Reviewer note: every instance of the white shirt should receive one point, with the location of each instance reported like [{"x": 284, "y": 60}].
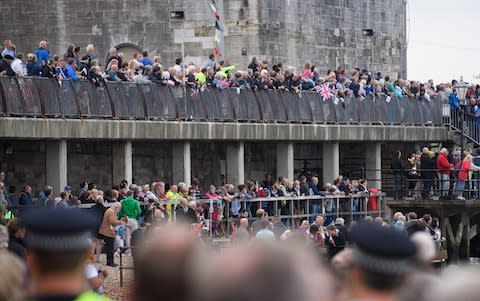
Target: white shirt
[
  {"x": 18, "y": 67},
  {"x": 92, "y": 272}
]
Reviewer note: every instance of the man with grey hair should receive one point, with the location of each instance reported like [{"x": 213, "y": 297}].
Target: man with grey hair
[
  {"x": 42, "y": 53},
  {"x": 184, "y": 213}
]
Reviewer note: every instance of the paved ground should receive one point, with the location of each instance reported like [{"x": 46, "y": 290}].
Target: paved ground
[{"x": 112, "y": 283}]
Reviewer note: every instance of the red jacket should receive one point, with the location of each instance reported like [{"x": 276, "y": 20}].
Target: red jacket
[{"x": 443, "y": 166}]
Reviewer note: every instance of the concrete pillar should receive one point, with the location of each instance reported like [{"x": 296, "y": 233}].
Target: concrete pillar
[
  {"x": 331, "y": 161},
  {"x": 235, "y": 163},
  {"x": 181, "y": 165},
  {"x": 373, "y": 165},
  {"x": 56, "y": 152},
  {"x": 122, "y": 161},
  {"x": 285, "y": 160}
]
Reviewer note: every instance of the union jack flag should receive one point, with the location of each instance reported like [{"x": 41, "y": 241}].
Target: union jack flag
[{"x": 324, "y": 91}]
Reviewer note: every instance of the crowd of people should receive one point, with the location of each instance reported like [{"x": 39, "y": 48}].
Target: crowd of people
[
  {"x": 371, "y": 258},
  {"x": 445, "y": 173},
  {"x": 215, "y": 209},
  {"x": 75, "y": 64}
]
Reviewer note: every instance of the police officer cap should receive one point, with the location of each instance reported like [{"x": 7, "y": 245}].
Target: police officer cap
[
  {"x": 382, "y": 249},
  {"x": 58, "y": 229}
]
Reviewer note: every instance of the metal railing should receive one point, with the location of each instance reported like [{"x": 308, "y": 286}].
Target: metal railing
[
  {"x": 45, "y": 97},
  {"x": 465, "y": 124},
  {"x": 292, "y": 209},
  {"x": 410, "y": 183}
]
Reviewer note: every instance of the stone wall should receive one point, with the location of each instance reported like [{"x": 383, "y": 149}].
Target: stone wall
[
  {"x": 91, "y": 162},
  {"x": 24, "y": 164},
  {"x": 152, "y": 161},
  {"x": 327, "y": 33}
]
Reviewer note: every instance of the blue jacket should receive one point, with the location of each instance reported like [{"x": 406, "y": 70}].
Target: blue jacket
[
  {"x": 43, "y": 55},
  {"x": 146, "y": 61},
  {"x": 454, "y": 100},
  {"x": 71, "y": 73},
  {"x": 314, "y": 188},
  {"x": 25, "y": 199}
]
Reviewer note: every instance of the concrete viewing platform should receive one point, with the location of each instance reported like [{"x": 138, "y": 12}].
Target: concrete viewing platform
[
  {"x": 459, "y": 220},
  {"x": 59, "y": 128}
]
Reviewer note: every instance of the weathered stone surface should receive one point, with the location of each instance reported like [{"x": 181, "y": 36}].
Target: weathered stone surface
[{"x": 326, "y": 33}]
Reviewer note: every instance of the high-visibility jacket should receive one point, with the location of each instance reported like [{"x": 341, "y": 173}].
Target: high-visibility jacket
[{"x": 91, "y": 296}]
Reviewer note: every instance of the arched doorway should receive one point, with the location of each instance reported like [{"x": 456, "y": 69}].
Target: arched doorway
[{"x": 128, "y": 50}]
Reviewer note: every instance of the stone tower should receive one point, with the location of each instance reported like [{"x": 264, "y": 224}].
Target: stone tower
[{"x": 326, "y": 33}]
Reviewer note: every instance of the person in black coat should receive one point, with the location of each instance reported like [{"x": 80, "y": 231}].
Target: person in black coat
[
  {"x": 184, "y": 213},
  {"x": 427, "y": 164},
  {"x": 334, "y": 241},
  {"x": 398, "y": 169}
]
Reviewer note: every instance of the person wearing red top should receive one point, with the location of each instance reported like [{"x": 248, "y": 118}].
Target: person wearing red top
[
  {"x": 443, "y": 168},
  {"x": 463, "y": 175}
]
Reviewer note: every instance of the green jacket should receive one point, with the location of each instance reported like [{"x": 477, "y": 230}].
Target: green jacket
[{"x": 130, "y": 208}]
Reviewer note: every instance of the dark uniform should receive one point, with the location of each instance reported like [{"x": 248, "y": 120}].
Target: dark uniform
[
  {"x": 58, "y": 241},
  {"x": 383, "y": 256}
]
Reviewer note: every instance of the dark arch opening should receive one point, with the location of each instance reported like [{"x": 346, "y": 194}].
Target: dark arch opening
[{"x": 128, "y": 49}]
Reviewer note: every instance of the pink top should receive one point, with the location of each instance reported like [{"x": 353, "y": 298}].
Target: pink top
[
  {"x": 212, "y": 196},
  {"x": 307, "y": 73}
]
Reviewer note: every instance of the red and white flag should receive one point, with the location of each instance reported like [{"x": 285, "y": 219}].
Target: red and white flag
[{"x": 325, "y": 91}]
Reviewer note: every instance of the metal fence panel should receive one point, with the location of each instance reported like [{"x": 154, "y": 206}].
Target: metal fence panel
[
  {"x": 189, "y": 103},
  {"x": 381, "y": 109},
  {"x": 179, "y": 95},
  {"x": 434, "y": 106},
  {"x": 426, "y": 113},
  {"x": 297, "y": 106},
  {"x": 67, "y": 99},
  {"x": 394, "y": 109},
  {"x": 271, "y": 105},
  {"x": 29, "y": 97},
  {"x": 134, "y": 100},
  {"x": 48, "y": 89},
  {"x": 14, "y": 103},
  {"x": 316, "y": 106},
  {"x": 345, "y": 109},
  {"x": 2, "y": 101},
  {"x": 351, "y": 110},
  {"x": 116, "y": 94},
  {"x": 412, "y": 113},
  {"x": 159, "y": 102},
  {"x": 217, "y": 104},
  {"x": 329, "y": 114},
  {"x": 245, "y": 104},
  {"x": 366, "y": 111},
  {"x": 339, "y": 107},
  {"x": 195, "y": 106},
  {"x": 86, "y": 103}
]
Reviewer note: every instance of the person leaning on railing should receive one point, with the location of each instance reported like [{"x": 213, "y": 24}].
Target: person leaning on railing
[{"x": 5, "y": 65}]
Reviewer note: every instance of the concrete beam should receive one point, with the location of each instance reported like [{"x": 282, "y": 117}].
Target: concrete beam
[
  {"x": 235, "y": 163},
  {"x": 122, "y": 161},
  {"x": 181, "y": 163},
  {"x": 373, "y": 165},
  {"x": 285, "y": 162},
  {"x": 39, "y": 128},
  {"x": 331, "y": 161},
  {"x": 56, "y": 153}
]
